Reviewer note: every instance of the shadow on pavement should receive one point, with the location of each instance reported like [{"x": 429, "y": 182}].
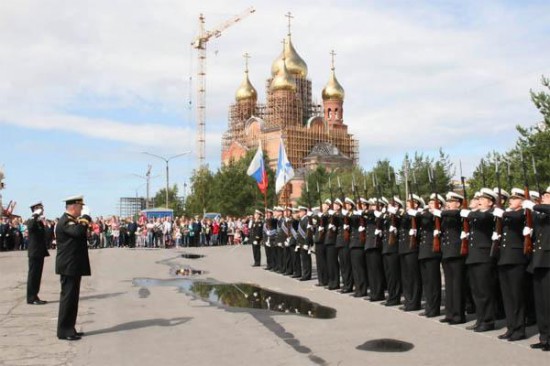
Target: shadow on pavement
[
  {"x": 94, "y": 297},
  {"x": 140, "y": 324}
]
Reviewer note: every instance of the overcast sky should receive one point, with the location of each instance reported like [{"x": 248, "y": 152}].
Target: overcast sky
[{"x": 86, "y": 86}]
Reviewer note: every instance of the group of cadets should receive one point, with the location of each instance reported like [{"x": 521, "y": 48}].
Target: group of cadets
[{"x": 370, "y": 247}]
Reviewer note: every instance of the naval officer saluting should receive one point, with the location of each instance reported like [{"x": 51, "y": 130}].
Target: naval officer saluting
[
  {"x": 38, "y": 249},
  {"x": 72, "y": 263}
]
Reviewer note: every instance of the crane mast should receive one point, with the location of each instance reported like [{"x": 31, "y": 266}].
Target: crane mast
[{"x": 200, "y": 43}]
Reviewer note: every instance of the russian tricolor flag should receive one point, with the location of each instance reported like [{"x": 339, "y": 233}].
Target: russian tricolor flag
[{"x": 257, "y": 169}]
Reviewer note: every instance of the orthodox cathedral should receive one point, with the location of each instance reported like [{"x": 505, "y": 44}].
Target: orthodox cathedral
[{"x": 313, "y": 134}]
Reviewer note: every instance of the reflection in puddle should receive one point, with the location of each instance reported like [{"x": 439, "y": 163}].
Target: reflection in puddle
[
  {"x": 242, "y": 295},
  {"x": 191, "y": 256},
  {"x": 385, "y": 345},
  {"x": 188, "y": 271}
]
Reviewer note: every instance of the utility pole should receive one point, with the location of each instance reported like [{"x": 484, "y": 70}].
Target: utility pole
[{"x": 166, "y": 160}]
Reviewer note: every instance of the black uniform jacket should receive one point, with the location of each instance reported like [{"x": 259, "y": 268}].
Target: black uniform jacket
[
  {"x": 511, "y": 242},
  {"x": 372, "y": 241},
  {"x": 339, "y": 222},
  {"x": 354, "y": 237},
  {"x": 426, "y": 226},
  {"x": 481, "y": 231},
  {"x": 256, "y": 232},
  {"x": 451, "y": 227},
  {"x": 38, "y": 243},
  {"x": 541, "y": 237},
  {"x": 72, "y": 247},
  {"x": 330, "y": 233},
  {"x": 388, "y": 248},
  {"x": 403, "y": 237}
]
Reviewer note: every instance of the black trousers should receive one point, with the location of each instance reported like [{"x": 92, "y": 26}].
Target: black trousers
[
  {"x": 512, "y": 283},
  {"x": 411, "y": 280},
  {"x": 296, "y": 261},
  {"x": 278, "y": 249},
  {"x": 431, "y": 283},
  {"x": 132, "y": 240},
  {"x": 393, "y": 277},
  {"x": 269, "y": 256},
  {"x": 375, "y": 271},
  {"x": 454, "y": 270},
  {"x": 333, "y": 268},
  {"x": 541, "y": 287},
  {"x": 257, "y": 254},
  {"x": 359, "y": 271},
  {"x": 321, "y": 262},
  {"x": 36, "y": 264},
  {"x": 345, "y": 268},
  {"x": 483, "y": 284},
  {"x": 287, "y": 259},
  {"x": 305, "y": 259},
  {"x": 68, "y": 305}
]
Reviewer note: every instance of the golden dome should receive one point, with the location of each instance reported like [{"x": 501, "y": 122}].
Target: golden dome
[
  {"x": 246, "y": 90},
  {"x": 333, "y": 90},
  {"x": 283, "y": 80},
  {"x": 294, "y": 63}
]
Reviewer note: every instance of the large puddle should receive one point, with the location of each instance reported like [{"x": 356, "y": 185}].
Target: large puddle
[{"x": 241, "y": 295}]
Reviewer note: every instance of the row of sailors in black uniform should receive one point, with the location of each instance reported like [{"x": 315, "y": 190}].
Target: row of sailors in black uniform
[{"x": 351, "y": 241}]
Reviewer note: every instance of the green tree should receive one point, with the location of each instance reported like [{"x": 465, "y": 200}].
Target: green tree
[
  {"x": 532, "y": 151},
  {"x": 174, "y": 202},
  {"x": 200, "y": 198}
]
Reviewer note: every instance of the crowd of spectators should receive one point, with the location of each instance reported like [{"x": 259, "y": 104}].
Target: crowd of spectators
[{"x": 139, "y": 232}]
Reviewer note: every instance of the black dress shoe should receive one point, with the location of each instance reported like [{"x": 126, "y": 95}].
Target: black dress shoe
[
  {"x": 546, "y": 348},
  {"x": 373, "y": 299},
  {"x": 516, "y": 337},
  {"x": 539, "y": 345},
  {"x": 305, "y": 279},
  {"x": 444, "y": 320},
  {"x": 296, "y": 276},
  {"x": 484, "y": 328},
  {"x": 455, "y": 322},
  {"x": 334, "y": 288},
  {"x": 359, "y": 295},
  {"x": 422, "y": 313},
  {"x": 433, "y": 315},
  {"x": 391, "y": 303},
  {"x": 472, "y": 327},
  {"x": 255, "y": 265},
  {"x": 345, "y": 291},
  {"x": 37, "y": 302},
  {"x": 505, "y": 335},
  {"x": 70, "y": 338},
  {"x": 319, "y": 285}
]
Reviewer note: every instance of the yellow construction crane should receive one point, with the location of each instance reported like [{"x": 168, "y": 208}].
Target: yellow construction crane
[{"x": 200, "y": 44}]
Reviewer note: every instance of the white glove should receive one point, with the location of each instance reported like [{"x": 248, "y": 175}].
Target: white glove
[
  {"x": 527, "y": 231},
  {"x": 495, "y": 236},
  {"x": 437, "y": 232},
  {"x": 411, "y": 212},
  {"x": 361, "y": 229},
  {"x": 412, "y": 232},
  {"x": 378, "y": 232},
  {"x": 344, "y": 212},
  {"x": 314, "y": 221},
  {"x": 287, "y": 242},
  {"x": 377, "y": 214},
  {"x": 331, "y": 227},
  {"x": 255, "y": 242},
  {"x": 392, "y": 229},
  {"x": 331, "y": 212},
  {"x": 463, "y": 235},
  {"x": 498, "y": 213},
  {"x": 437, "y": 212},
  {"x": 464, "y": 213},
  {"x": 321, "y": 228},
  {"x": 37, "y": 212},
  {"x": 358, "y": 212},
  {"x": 309, "y": 226},
  {"x": 392, "y": 210},
  {"x": 297, "y": 248},
  {"x": 346, "y": 227},
  {"x": 528, "y": 205}
]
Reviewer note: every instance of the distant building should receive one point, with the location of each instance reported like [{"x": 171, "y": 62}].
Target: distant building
[
  {"x": 130, "y": 206},
  {"x": 313, "y": 134}
]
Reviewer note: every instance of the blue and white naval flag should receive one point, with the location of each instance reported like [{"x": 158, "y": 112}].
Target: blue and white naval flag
[
  {"x": 257, "y": 169},
  {"x": 285, "y": 172}
]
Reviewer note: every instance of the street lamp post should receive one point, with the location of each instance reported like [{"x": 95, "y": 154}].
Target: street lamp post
[{"x": 166, "y": 160}]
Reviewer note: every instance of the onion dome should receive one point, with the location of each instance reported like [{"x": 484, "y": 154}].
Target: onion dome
[
  {"x": 246, "y": 91},
  {"x": 294, "y": 63},
  {"x": 333, "y": 90},
  {"x": 283, "y": 80}
]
